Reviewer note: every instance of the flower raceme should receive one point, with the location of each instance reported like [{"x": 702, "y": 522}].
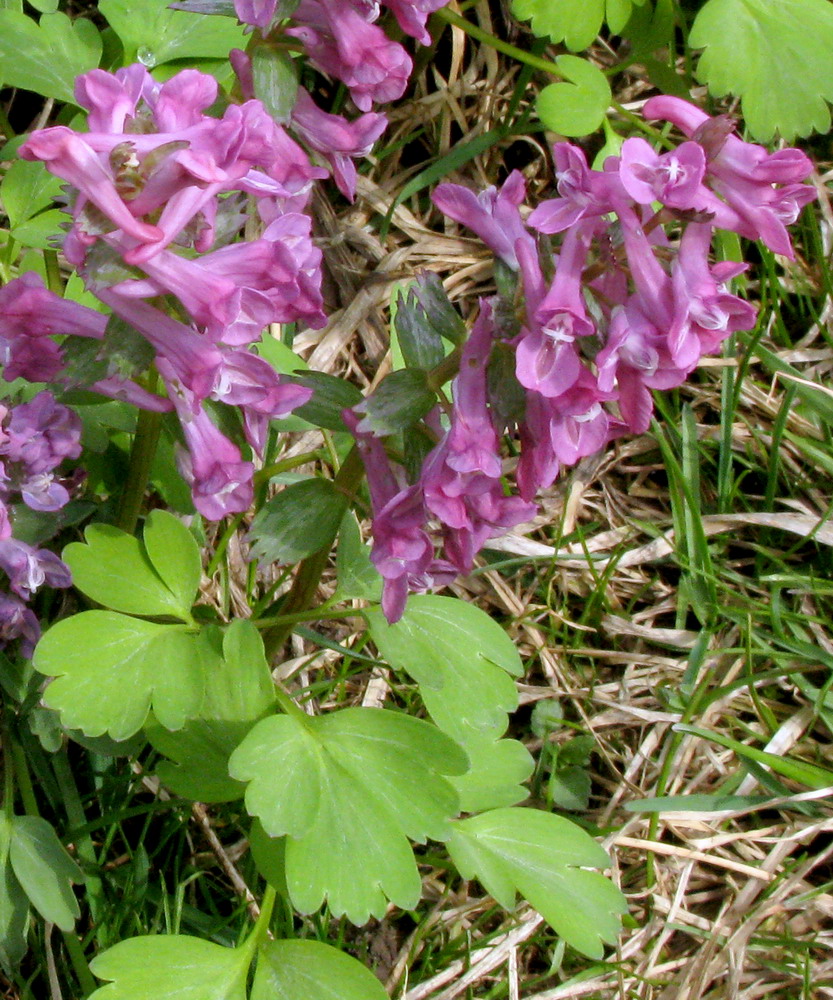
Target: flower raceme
[{"x": 633, "y": 305}]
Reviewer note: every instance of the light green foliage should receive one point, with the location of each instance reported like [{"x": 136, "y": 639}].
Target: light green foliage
[
  {"x": 349, "y": 789},
  {"x": 44, "y": 870},
  {"x": 14, "y": 906},
  {"x": 171, "y": 967},
  {"x": 574, "y": 22},
  {"x": 463, "y": 660},
  {"x": 46, "y": 56},
  {"x": 578, "y": 106},
  {"x": 110, "y": 669},
  {"x": 545, "y": 858},
  {"x": 310, "y": 970},
  {"x": 357, "y": 576},
  {"x": 238, "y": 691},
  {"x": 26, "y": 189},
  {"x": 159, "y": 578},
  {"x": 153, "y": 34},
  {"x": 775, "y": 56}
]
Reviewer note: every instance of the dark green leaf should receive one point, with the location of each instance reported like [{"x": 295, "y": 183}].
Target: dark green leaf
[
  {"x": 331, "y": 395},
  {"x": 14, "y": 905},
  {"x": 398, "y": 402},
  {"x": 300, "y": 520}
]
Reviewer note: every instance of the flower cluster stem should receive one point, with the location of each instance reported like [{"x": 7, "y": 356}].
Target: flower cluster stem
[{"x": 148, "y": 427}]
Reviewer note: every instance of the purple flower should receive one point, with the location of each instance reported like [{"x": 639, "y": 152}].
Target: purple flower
[
  {"x": 344, "y": 44},
  {"x": 546, "y": 356},
  {"x": 339, "y": 140},
  {"x": 673, "y": 178},
  {"x": 413, "y": 14},
  {"x": 220, "y": 481},
  {"x": 493, "y": 214},
  {"x": 258, "y": 13},
  {"x": 744, "y": 174},
  {"x": 583, "y": 192},
  {"x": 28, "y": 568},
  {"x": 18, "y": 622}
]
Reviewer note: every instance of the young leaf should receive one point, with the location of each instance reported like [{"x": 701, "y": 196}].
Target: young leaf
[
  {"x": 398, "y": 402},
  {"x": 300, "y": 520},
  {"x": 348, "y": 789},
  {"x": 578, "y": 107},
  {"x": 238, "y": 691},
  {"x": 419, "y": 321},
  {"x": 545, "y": 858},
  {"x": 154, "y": 34},
  {"x": 113, "y": 569},
  {"x": 775, "y": 56},
  {"x": 175, "y": 556},
  {"x": 110, "y": 669},
  {"x": 46, "y": 56},
  {"x": 171, "y": 967},
  {"x": 291, "y": 970},
  {"x": 45, "y": 870}
]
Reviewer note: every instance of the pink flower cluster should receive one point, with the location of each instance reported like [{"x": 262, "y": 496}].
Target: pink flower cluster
[
  {"x": 633, "y": 305},
  {"x": 35, "y": 438},
  {"x": 159, "y": 188}
]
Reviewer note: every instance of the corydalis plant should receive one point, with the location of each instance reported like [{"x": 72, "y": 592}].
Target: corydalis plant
[{"x": 634, "y": 303}]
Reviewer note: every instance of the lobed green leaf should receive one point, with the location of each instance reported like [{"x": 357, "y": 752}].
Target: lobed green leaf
[
  {"x": 44, "y": 870},
  {"x": 291, "y": 970}
]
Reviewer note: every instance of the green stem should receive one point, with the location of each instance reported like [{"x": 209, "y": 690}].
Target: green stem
[
  {"x": 261, "y": 928},
  {"x": 79, "y": 963},
  {"x": 24, "y": 779},
  {"x": 54, "y": 282},
  {"x": 496, "y": 43},
  {"x": 315, "y": 615},
  {"x": 148, "y": 427},
  {"x": 309, "y": 573},
  {"x": 77, "y": 820}
]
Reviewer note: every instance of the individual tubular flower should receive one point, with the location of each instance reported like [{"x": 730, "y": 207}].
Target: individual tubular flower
[
  {"x": 412, "y": 16},
  {"x": 674, "y": 178},
  {"x": 402, "y": 552},
  {"x": 582, "y": 192},
  {"x": 344, "y": 44},
  {"x": 340, "y": 141},
  {"x": 493, "y": 214},
  {"x": 744, "y": 174}
]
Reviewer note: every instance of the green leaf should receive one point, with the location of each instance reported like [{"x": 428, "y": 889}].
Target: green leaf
[
  {"x": 399, "y": 401},
  {"x": 14, "y": 905},
  {"x": 576, "y": 108},
  {"x": 348, "y": 789},
  {"x": 461, "y": 659},
  {"x": 424, "y": 316},
  {"x": 45, "y": 870},
  {"x": 27, "y": 187},
  {"x": 311, "y": 970},
  {"x": 331, "y": 395},
  {"x": 113, "y": 569},
  {"x": 153, "y": 34},
  {"x": 238, "y": 691},
  {"x": 41, "y": 231},
  {"x": 171, "y": 967},
  {"x": 300, "y": 520},
  {"x": 357, "y": 576},
  {"x": 458, "y": 655},
  {"x": 47, "y": 56},
  {"x": 175, "y": 556},
  {"x": 275, "y": 81},
  {"x": 110, "y": 669},
  {"x": 775, "y": 56},
  {"x": 545, "y": 858},
  {"x": 574, "y": 22}
]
